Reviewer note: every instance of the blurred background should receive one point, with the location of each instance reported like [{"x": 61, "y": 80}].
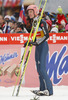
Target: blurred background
[
  {"x": 10, "y": 7},
  {"x": 14, "y": 6}
]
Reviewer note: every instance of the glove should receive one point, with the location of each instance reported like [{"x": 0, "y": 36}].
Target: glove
[
  {"x": 26, "y": 44},
  {"x": 32, "y": 43}
]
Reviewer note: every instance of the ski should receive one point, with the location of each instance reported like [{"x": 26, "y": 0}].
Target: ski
[{"x": 30, "y": 48}]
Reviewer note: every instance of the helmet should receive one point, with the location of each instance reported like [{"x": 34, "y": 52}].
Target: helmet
[{"x": 33, "y": 7}]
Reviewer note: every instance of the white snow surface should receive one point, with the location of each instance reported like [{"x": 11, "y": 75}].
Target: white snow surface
[{"x": 60, "y": 93}]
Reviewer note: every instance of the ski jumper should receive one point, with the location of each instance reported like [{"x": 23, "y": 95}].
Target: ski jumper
[
  {"x": 41, "y": 50},
  {"x": 41, "y": 53}
]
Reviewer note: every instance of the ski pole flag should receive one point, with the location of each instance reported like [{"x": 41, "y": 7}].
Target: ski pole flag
[{"x": 22, "y": 17}]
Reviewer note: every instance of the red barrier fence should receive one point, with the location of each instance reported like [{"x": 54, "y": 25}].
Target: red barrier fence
[{"x": 55, "y": 38}]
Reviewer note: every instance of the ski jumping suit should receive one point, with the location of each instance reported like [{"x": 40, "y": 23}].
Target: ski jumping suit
[{"x": 41, "y": 53}]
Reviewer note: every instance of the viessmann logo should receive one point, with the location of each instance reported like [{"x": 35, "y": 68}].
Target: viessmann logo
[
  {"x": 54, "y": 38},
  {"x": 15, "y": 38},
  {"x": 20, "y": 38}
]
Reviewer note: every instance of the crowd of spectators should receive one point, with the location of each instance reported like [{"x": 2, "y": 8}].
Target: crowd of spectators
[
  {"x": 9, "y": 24},
  {"x": 56, "y": 23}
]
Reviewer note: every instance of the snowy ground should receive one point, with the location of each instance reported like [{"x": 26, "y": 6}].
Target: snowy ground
[{"x": 60, "y": 93}]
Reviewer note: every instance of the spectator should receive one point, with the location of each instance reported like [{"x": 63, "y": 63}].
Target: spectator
[
  {"x": 16, "y": 15},
  {"x": 52, "y": 18},
  {"x": 7, "y": 18},
  {"x": 60, "y": 15},
  {"x": 20, "y": 28},
  {"x": 49, "y": 23},
  {"x": 1, "y": 23},
  {"x": 66, "y": 28},
  {"x": 59, "y": 10},
  {"x": 54, "y": 30},
  {"x": 6, "y": 28},
  {"x": 12, "y": 24},
  {"x": 61, "y": 26}
]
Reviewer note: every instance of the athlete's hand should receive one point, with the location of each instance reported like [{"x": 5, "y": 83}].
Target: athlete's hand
[{"x": 25, "y": 44}]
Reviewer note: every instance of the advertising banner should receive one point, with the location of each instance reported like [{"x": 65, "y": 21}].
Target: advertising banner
[{"x": 11, "y": 52}]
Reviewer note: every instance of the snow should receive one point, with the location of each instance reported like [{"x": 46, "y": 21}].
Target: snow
[{"x": 60, "y": 93}]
